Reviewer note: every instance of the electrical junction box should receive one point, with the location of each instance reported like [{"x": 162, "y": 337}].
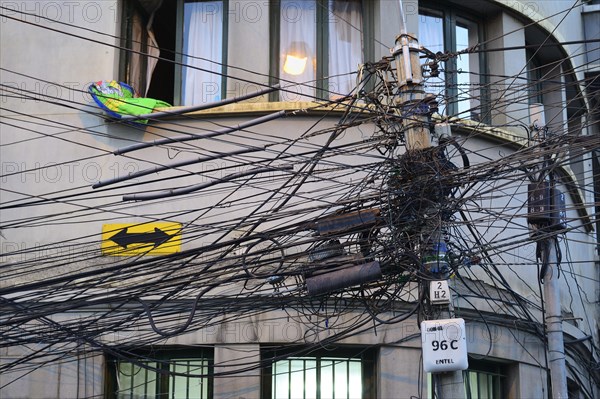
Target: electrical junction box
[
  {"x": 439, "y": 293},
  {"x": 546, "y": 206},
  {"x": 444, "y": 344}
]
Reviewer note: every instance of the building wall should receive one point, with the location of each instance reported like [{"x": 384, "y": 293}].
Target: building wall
[{"x": 41, "y": 62}]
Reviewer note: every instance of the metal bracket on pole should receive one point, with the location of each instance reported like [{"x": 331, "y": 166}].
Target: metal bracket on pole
[{"x": 412, "y": 94}]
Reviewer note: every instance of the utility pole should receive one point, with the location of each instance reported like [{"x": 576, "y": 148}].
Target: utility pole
[
  {"x": 417, "y": 138},
  {"x": 554, "y": 329},
  {"x": 545, "y": 214}
]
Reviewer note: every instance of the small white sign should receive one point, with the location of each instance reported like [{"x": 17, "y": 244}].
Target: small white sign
[
  {"x": 439, "y": 293},
  {"x": 444, "y": 345}
]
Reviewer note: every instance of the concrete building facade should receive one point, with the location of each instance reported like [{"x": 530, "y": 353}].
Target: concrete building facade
[{"x": 223, "y": 307}]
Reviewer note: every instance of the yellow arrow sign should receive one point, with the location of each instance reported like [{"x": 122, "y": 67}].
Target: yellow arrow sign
[{"x": 128, "y": 239}]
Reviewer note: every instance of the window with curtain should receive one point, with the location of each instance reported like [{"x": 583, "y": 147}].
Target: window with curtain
[
  {"x": 345, "y": 46},
  {"x": 185, "y": 41},
  {"x": 342, "y": 373},
  {"x": 175, "y": 374},
  {"x": 431, "y": 36},
  {"x": 320, "y": 47},
  {"x": 202, "y": 54},
  {"x": 316, "y": 47},
  {"x": 459, "y": 82}
]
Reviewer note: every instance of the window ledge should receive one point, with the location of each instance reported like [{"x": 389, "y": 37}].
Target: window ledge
[
  {"x": 505, "y": 136},
  {"x": 250, "y": 108},
  {"x": 590, "y": 8}
]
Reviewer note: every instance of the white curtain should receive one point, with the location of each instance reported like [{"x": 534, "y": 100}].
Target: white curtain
[
  {"x": 431, "y": 36},
  {"x": 345, "y": 45},
  {"x": 202, "y": 48},
  {"x": 466, "y": 90},
  {"x": 298, "y": 38}
]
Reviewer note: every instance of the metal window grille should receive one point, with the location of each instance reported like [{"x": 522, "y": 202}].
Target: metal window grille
[
  {"x": 171, "y": 378},
  {"x": 483, "y": 380},
  {"x": 317, "y": 377},
  {"x": 484, "y": 384}
]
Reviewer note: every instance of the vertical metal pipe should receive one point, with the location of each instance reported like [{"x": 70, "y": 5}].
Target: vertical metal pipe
[{"x": 554, "y": 329}]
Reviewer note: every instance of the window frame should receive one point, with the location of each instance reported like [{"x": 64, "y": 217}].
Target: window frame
[
  {"x": 178, "y": 89},
  {"x": 496, "y": 370},
  {"x": 322, "y": 44},
  {"x": 367, "y": 357},
  {"x": 163, "y": 356},
  {"x": 130, "y": 9},
  {"x": 452, "y": 17},
  {"x": 499, "y": 370},
  {"x": 174, "y": 49},
  {"x": 534, "y": 77}
]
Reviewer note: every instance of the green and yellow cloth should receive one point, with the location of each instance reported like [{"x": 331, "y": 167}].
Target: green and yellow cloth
[{"x": 118, "y": 99}]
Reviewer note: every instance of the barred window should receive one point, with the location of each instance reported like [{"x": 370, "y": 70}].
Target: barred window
[
  {"x": 172, "y": 374},
  {"x": 482, "y": 380},
  {"x": 341, "y": 373},
  {"x": 485, "y": 381}
]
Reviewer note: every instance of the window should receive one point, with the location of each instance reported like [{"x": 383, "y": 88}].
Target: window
[
  {"x": 534, "y": 78},
  {"x": 315, "y": 43},
  {"x": 189, "y": 39},
  {"x": 483, "y": 380},
  {"x": 173, "y": 374},
  {"x": 459, "y": 81},
  {"x": 341, "y": 373},
  {"x": 318, "y": 44},
  {"x": 202, "y": 56}
]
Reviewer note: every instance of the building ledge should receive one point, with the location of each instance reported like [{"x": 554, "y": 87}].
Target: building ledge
[{"x": 253, "y": 108}]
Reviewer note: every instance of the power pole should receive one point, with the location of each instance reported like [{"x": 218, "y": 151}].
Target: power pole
[
  {"x": 417, "y": 138},
  {"x": 545, "y": 214},
  {"x": 554, "y": 329}
]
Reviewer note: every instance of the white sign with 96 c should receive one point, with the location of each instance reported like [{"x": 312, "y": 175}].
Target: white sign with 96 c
[{"x": 444, "y": 344}]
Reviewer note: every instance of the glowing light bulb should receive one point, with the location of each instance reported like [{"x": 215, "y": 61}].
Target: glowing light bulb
[{"x": 294, "y": 65}]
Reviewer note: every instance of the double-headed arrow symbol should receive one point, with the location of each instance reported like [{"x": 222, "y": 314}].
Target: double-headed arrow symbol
[{"x": 157, "y": 237}]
